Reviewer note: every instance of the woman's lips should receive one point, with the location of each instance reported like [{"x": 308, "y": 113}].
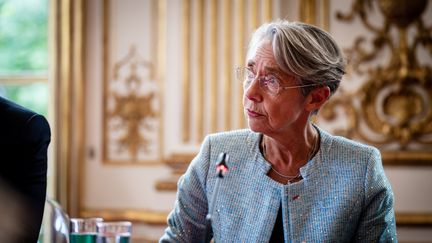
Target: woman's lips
[{"x": 252, "y": 113}]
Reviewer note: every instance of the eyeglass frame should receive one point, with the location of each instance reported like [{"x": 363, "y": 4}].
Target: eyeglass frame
[{"x": 261, "y": 79}]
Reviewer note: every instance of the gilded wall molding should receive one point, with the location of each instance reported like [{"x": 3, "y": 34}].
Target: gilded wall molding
[
  {"x": 132, "y": 102},
  {"x": 178, "y": 163},
  {"x": 315, "y": 12},
  {"x": 67, "y": 77},
  {"x": 133, "y": 98},
  {"x": 392, "y": 107},
  {"x": 186, "y": 88},
  {"x": 227, "y": 64},
  {"x": 211, "y": 94},
  {"x": 414, "y": 219},
  {"x": 210, "y": 56}
]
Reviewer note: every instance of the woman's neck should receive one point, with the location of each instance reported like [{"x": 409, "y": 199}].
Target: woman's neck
[{"x": 291, "y": 151}]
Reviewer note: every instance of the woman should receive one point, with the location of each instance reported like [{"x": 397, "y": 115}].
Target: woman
[{"x": 288, "y": 180}]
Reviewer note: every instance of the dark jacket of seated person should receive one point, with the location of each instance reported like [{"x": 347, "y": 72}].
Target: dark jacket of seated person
[{"x": 24, "y": 139}]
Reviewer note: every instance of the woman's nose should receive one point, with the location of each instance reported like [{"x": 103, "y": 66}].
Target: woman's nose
[{"x": 253, "y": 92}]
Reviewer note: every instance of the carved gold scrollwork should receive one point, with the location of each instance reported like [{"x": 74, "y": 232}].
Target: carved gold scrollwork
[
  {"x": 394, "y": 102},
  {"x": 131, "y": 109}
]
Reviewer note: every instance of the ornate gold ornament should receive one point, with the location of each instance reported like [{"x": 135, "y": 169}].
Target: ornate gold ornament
[
  {"x": 131, "y": 111},
  {"x": 392, "y": 108}
]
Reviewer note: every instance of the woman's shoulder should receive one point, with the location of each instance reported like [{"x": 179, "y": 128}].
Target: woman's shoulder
[
  {"x": 347, "y": 156},
  {"x": 233, "y": 135},
  {"x": 234, "y": 142},
  {"x": 340, "y": 144}
]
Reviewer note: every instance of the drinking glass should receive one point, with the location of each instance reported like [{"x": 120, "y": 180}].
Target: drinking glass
[
  {"x": 114, "y": 232},
  {"x": 83, "y": 230}
]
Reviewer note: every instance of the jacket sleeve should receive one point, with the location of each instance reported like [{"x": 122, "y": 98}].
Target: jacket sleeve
[
  {"x": 34, "y": 183},
  {"x": 377, "y": 223},
  {"x": 186, "y": 222}
]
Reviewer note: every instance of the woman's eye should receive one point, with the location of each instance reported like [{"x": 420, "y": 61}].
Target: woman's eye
[
  {"x": 270, "y": 80},
  {"x": 250, "y": 74}
]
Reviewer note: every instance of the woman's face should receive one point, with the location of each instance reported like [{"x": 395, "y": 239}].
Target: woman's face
[{"x": 271, "y": 113}]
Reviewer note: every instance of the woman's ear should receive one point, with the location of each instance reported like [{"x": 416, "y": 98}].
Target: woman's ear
[{"x": 317, "y": 97}]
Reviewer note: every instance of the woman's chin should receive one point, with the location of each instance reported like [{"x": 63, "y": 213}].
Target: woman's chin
[{"x": 255, "y": 127}]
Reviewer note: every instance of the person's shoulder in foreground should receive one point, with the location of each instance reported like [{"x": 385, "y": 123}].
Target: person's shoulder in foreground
[{"x": 24, "y": 140}]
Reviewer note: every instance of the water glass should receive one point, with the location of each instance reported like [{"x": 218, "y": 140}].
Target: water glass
[
  {"x": 83, "y": 230},
  {"x": 114, "y": 232}
]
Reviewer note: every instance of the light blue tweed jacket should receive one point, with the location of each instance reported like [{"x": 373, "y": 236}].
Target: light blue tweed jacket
[{"x": 344, "y": 195}]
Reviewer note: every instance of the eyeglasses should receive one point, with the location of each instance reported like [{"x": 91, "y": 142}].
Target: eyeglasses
[{"x": 269, "y": 83}]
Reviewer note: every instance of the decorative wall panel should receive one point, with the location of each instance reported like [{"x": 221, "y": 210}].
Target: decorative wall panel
[
  {"x": 395, "y": 105},
  {"x": 132, "y": 96},
  {"x": 213, "y": 47},
  {"x": 385, "y": 97}
]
